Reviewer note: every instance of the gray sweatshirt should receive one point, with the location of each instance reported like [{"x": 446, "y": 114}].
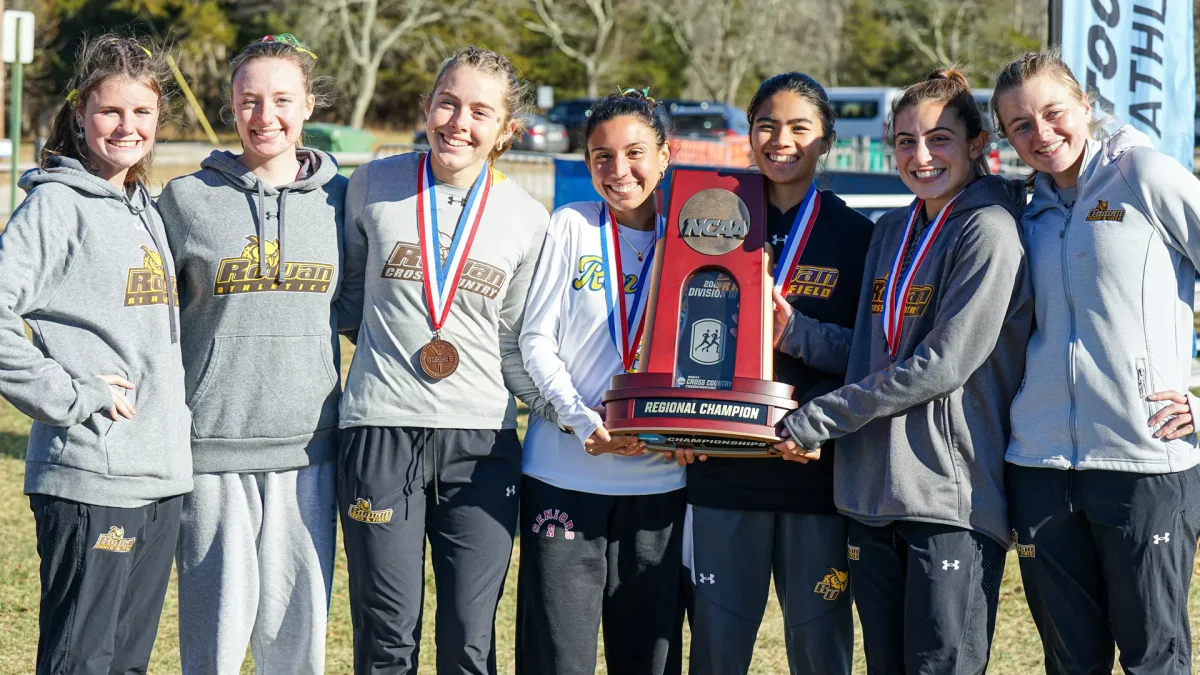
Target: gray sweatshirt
[
  {"x": 1114, "y": 276},
  {"x": 927, "y": 432},
  {"x": 258, "y": 277},
  {"x": 86, "y": 266},
  {"x": 386, "y": 386}
]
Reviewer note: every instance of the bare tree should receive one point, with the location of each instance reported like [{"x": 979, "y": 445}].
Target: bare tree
[
  {"x": 371, "y": 29},
  {"x": 723, "y": 40},
  {"x": 585, "y": 31}
]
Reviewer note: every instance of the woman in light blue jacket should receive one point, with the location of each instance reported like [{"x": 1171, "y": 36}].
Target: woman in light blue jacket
[{"x": 1102, "y": 480}]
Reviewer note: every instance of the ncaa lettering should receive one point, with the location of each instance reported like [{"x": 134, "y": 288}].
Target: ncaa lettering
[
  {"x": 914, "y": 305},
  {"x": 243, "y": 275},
  {"x": 591, "y": 276}
]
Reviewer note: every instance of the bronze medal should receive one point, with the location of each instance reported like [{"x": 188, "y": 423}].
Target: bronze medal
[{"x": 439, "y": 358}]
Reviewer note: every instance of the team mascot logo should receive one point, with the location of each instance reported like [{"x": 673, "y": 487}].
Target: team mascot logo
[
  {"x": 832, "y": 585},
  {"x": 1102, "y": 212},
  {"x": 243, "y": 273},
  {"x": 147, "y": 285},
  {"x": 114, "y": 540},
  {"x": 361, "y": 511}
]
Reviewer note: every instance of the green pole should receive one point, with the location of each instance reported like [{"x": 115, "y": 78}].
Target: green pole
[{"x": 15, "y": 117}]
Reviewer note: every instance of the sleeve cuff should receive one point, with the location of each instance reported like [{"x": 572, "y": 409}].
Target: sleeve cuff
[
  {"x": 801, "y": 431},
  {"x": 92, "y": 396}
]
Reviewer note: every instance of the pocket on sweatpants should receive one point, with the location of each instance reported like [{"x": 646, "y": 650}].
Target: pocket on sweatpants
[{"x": 268, "y": 386}]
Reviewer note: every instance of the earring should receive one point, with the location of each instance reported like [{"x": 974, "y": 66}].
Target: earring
[{"x": 79, "y": 134}]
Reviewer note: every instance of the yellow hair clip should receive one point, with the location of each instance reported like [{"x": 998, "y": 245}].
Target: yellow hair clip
[
  {"x": 302, "y": 50},
  {"x": 71, "y": 95}
]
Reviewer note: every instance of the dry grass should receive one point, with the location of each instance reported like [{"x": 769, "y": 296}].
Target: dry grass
[{"x": 1016, "y": 649}]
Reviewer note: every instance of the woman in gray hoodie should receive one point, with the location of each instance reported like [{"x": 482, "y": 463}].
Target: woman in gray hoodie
[
  {"x": 935, "y": 359},
  {"x": 1102, "y": 477},
  {"x": 85, "y": 265},
  {"x": 257, "y": 238}
]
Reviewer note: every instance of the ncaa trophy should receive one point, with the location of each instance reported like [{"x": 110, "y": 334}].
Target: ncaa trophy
[{"x": 705, "y": 380}]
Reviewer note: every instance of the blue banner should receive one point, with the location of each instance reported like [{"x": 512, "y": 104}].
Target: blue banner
[{"x": 1137, "y": 54}]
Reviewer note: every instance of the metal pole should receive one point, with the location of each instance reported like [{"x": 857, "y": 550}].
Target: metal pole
[
  {"x": 15, "y": 119},
  {"x": 1055, "y": 16}
]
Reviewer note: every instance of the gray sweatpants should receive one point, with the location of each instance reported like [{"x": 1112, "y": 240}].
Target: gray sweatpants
[
  {"x": 255, "y": 565},
  {"x": 732, "y": 555}
]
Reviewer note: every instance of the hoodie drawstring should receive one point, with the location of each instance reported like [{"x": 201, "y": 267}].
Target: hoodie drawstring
[
  {"x": 261, "y": 226},
  {"x": 168, "y": 272},
  {"x": 282, "y": 201}
]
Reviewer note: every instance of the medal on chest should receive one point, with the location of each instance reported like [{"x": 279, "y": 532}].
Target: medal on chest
[
  {"x": 626, "y": 318},
  {"x": 896, "y": 289},
  {"x": 439, "y": 358},
  {"x": 793, "y": 248}
]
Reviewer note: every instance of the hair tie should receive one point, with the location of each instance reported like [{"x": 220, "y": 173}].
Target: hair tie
[
  {"x": 146, "y": 50},
  {"x": 644, "y": 93},
  {"x": 72, "y": 95},
  {"x": 290, "y": 40}
]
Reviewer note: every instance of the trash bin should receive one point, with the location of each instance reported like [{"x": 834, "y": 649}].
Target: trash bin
[{"x": 337, "y": 138}]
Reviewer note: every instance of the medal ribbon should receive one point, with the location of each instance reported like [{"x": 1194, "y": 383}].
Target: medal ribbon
[
  {"x": 802, "y": 227},
  {"x": 625, "y": 325},
  {"x": 895, "y": 292},
  {"x": 441, "y": 279}
]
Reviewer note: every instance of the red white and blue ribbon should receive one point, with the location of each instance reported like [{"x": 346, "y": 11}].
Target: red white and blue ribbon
[
  {"x": 441, "y": 278},
  {"x": 797, "y": 238},
  {"x": 626, "y": 319},
  {"x": 895, "y": 290}
]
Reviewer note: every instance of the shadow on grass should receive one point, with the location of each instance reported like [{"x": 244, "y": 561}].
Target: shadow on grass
[{"x": 13, "y": 445}]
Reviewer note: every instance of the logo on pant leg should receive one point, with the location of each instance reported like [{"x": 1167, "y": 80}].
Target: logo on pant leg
[
  {"x": 832, "y": 585},
  {"x": 852, "y": 552},
  {"x": 361, "y": 511},
  {"x": 114, "y": 540},
  {"x": 1164, "y": 539},
  {"x": 707, "y": 578},
  {"x": 510, "y": 491},
  {"x": 947, "y": 565},
  {"x": 550, "y": 520},
  {"x": 1023, "y": 550}
]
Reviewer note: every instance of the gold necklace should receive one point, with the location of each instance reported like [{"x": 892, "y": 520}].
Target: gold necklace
[{"x": 641, "y": 253}]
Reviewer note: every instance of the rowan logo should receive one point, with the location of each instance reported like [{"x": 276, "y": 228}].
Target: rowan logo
[
  {"x": 853, "y": 552},
  {"x": 550, "y": 520},
  {"x": 1102, "y": 212},
  {"x": 832, "y": 585},
  {"x": 114, "y": 540},
  {"x": 147, "y": 285},
  {"x": 243, "y": 274},
  {"x": 812, "y": 282},
  {"x": 591, "y": 276},
  {"x": 1023, "y": 550},
  {"x": 915, "y": 305},
  {"x": 361, "y": 511},
  {"x": 404, "y": 264}
]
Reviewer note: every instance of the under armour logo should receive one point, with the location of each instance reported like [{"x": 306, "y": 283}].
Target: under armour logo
[
  {"x": 778, "y": 239},
  {"x": 510, "y": 490},
  {"x": 1165, "y": 539},
  {"x": 461, "y": 201},
  {"x": 708, "y": 578},
  {"x": 947, "y": 565}
]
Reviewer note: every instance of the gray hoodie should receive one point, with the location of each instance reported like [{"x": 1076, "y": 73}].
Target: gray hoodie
[
  {"x": 1114, "y": 279},
  {"x": 930, "y": 428},
  {"x": 86, "y": 266},
  {"x": 259, "y": 272}
]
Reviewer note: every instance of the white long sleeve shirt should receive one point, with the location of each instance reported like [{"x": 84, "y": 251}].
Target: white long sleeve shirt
[{"x": 570, "y": 355}]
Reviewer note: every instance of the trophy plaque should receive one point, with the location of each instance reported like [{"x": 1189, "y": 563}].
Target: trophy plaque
[{"x": 705, "y": 380}]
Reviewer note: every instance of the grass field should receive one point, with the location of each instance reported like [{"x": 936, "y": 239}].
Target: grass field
[{"x": 1016, "y": 650}]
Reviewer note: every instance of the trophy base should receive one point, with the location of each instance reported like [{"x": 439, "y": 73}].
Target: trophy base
[{"x": 735, "y": 422}]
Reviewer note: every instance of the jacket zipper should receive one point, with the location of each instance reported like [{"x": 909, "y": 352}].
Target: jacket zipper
[{"x": 1071, "y": 344}]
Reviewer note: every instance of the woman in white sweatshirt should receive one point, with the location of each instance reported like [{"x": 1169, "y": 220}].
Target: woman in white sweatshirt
[{"x": 601, "y": 523}]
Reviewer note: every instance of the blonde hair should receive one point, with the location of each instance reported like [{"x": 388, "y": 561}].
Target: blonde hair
[{"x": 497, "y": 65}]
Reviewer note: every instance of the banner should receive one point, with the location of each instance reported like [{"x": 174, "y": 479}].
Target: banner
[{"x": 1137, "y": 54}]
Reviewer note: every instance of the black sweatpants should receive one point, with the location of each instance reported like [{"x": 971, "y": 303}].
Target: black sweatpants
[
  {"x": 459, "y": 488},
  {"x": 1106, "y": 557},
  {"x": 589, "y": 558},
  {"x": 104, "y": 575},
  {"x": 732, "y": 557},
  {"x": 926, "y": 595}
]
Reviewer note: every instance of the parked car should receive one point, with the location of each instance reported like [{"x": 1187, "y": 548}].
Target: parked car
[
  {"x": 706, "y": 121},
  {"x": 541, "y": 135},
  {"x": 572, "y": 115},
  {"x": 861, "y": 111}
]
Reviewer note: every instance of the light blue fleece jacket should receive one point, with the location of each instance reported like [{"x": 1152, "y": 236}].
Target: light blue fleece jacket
[{"x": 1113, "y": 281}]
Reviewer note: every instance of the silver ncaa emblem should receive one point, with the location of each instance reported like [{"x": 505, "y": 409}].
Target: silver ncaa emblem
[{"x": 708, "y": 341}]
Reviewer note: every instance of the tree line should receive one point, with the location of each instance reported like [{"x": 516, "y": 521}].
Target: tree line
[{"x": 378, "y": 56}]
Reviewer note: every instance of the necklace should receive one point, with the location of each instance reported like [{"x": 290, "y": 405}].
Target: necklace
[{"x": 641, "y": 253}]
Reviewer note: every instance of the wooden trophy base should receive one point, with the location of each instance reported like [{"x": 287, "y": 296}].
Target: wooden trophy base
[{"x": 735, "y": 422}]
